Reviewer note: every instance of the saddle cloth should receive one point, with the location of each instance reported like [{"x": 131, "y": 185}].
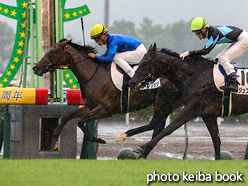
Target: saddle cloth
[
  {"x": 219, "y": 78},
  {"x": 117, "y": 78}
]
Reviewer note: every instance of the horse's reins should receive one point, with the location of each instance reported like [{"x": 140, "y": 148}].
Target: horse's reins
[
  {"x": 144, "y": 73},
  {"x": 51, "y": 67}
]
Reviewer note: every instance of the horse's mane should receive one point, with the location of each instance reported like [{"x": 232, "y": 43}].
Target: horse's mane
[
  {"x": 81, "y": 49},
  {"x": 170, "y": 52},
  {"x": 84, "y": 50},
  {"x": 196, "y": 59}
]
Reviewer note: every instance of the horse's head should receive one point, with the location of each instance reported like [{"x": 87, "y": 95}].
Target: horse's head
[
  {"x": 54, "y": 58},
  {"x": 146, "y": 69}
]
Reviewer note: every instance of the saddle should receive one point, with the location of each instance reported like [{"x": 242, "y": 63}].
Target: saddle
[
  {"x": 125, "y": 93},
  {"x": 120, "y": 80}
]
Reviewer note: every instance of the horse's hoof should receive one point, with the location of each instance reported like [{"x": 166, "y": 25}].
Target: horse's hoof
[
  {"x": 140, "y": 158},
  {"x": 101, "y": 140},
  {"x": 121, "y": 137},
  {"x": 55, "y": 147},
  {"x": 54, "y": 144},
  {"x": 138, "y": 150}
]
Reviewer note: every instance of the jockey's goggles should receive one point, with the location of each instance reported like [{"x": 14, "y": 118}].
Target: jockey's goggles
[
  {"x": 97, "y": 38},
  {"x": 197, "y": 32}
]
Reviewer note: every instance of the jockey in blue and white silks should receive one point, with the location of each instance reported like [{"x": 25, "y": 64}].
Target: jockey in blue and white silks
[
  {"x": 121, "y": 49},
  {"x": 216, "y": 35}
]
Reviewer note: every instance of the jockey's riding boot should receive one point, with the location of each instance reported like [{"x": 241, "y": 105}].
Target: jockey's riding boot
[{"x": 232, "y": 83}]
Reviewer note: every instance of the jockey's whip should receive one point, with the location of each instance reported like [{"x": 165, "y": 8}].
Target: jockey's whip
[{"x": 82, "y": 24}]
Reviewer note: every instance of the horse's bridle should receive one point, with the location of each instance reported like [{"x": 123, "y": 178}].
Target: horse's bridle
[
  {"x": 149, "y": 76},
  {"x": 50, "y": 67}
]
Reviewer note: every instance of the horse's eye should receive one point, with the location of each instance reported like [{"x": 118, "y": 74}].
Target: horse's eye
[{"x": 52, "y": 51}]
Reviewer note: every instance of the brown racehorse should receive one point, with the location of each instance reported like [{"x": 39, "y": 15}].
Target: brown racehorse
[
  {"x": 194, "y": 77},
  {"x": 101, "y": 97}
]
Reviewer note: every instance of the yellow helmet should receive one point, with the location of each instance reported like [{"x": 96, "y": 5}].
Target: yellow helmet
[
  {"x": 97, "y": 31},
  {"x": 199, "y": 23}
]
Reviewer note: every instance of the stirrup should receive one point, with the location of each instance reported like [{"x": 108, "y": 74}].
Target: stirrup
[{"x": 233, "y": 89}]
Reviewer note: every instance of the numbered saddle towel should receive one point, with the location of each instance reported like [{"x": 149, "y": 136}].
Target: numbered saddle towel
[
  {"x": 242, "y": 73},
  {"x": 219, "y": 80}
]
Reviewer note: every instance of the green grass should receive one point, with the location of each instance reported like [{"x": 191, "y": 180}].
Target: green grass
[{"x": 111, "y": 172}]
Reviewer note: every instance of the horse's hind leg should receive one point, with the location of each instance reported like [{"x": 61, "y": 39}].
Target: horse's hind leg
[
  {"x": 96, "y": 113},
  {"x": 131, "y": 132},
  {"x": 83, "y": 127},
  {"x": 157, "y": 124},
  {"x": 211, "y": 123},
  {"x": 161, "y": 111}
]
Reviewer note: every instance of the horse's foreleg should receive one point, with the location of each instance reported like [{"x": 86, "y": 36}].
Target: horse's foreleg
[
  {"x": 157, "y": 124},
  {"x": 145, "y": 150},
  {"x": 74, "y": 114},
  {"x": 183, "y": 117},
  {"x": 211, "y": 123},
  {"x": 162, "y": 111},
  {"x": 158, "y": 128}
]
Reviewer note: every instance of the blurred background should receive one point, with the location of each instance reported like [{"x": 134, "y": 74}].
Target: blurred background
[{"x": 165, "y": 22}]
